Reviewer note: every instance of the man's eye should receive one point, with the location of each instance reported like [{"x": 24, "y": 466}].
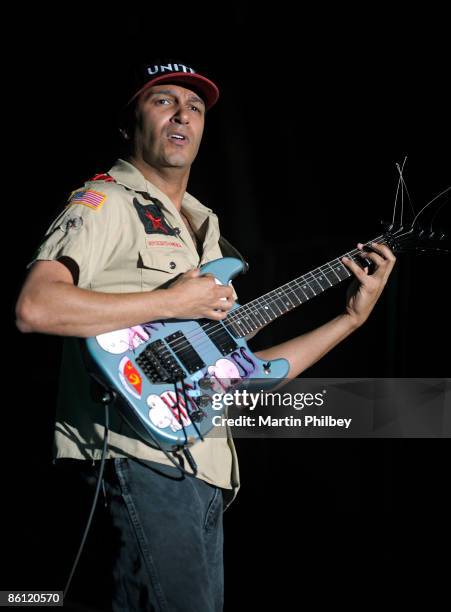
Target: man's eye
[
  {"x": 196, "y": 108},
  {"x": 162, "y": 100}
]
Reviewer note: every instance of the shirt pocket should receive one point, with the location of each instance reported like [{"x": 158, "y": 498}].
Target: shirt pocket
[{"x": 160, "y": 267}]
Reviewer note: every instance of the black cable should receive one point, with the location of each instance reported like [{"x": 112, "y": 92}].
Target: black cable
[
  {"x": 193, "y": 422},
  {"x": 186, "y": 452},
  {"x": 177, "y": 406},
  {"x": 107, "y": 399}
]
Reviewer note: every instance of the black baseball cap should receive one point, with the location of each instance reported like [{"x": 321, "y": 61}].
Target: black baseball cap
[{"x": 154, "y": 73}]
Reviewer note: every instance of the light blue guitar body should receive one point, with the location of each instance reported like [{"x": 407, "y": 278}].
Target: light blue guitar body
[{"x": 144, "y": 364}]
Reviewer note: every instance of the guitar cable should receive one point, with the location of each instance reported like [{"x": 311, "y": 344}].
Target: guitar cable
[{"x": 109, "y": 397}]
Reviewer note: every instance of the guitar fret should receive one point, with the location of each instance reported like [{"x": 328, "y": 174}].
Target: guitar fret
[
  {"x": 256, "y": 314},
  {"x": 279, "y": 301},
  {"x": 307, "y": 289},
  {"x": 244, "y": 326},
  {"x": 289, "y": 303},
  {"x": 263, "y": 312},
  {"x": 301, "y": 291},
  {"x": 274, "y": 302},
  {"x": 237, "y": 318},
  {"x": 294, "y": 293},
  {"x": 315, "y": 286},
  {"x": 323, "y": 280},
  {"x": 235, "y": 330},
  {"x": 332, "y": 275},
  {"x": 253, "y": 318},
  {"x": 250, "y": 321},
  {"x": 341, "y": 271},
  {"x": 269, "y": 310}
]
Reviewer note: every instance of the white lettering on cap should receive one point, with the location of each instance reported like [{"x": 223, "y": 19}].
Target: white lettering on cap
[
  {"x": 184, "y": 68},
  {"x": 169, "y": 68}
]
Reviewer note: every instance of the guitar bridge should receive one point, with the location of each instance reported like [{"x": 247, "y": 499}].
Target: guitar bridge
[{"x": 158, "y": 364}]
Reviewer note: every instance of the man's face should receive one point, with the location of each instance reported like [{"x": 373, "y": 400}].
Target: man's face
[{"x": 169, "y": 126}]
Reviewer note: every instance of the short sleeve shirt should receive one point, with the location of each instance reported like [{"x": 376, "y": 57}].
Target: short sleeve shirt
[{"x": 125, "y": 235}]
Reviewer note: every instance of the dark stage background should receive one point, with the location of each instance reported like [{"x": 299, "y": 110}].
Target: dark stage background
[{"x": 298, "y": 161}]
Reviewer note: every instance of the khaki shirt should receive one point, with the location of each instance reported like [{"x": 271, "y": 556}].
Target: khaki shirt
[{"x": 116, "y": 234}]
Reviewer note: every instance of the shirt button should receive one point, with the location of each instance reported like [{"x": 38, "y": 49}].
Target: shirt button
[{"x": 172, "y": 265}]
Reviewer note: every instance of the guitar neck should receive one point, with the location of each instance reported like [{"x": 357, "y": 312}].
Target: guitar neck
[{"x": 256, "y": 314}]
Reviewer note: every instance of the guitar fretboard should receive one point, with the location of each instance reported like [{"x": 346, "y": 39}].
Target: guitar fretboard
[{"x": 256, "y": 314}]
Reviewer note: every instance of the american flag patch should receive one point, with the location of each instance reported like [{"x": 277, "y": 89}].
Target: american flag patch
[{"x": 88, "y": 197}]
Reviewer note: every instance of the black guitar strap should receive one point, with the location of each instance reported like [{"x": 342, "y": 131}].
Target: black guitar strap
[{"x": 228, "y": 250}]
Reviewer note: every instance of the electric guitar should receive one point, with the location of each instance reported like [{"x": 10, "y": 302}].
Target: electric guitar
[{"x": 169, "y": 374}]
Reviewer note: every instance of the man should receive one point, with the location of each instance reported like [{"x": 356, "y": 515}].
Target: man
[{"x": 126, "y": 250}]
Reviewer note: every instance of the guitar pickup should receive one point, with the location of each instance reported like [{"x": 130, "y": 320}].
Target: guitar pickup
[
  {"x": 220, "y": 337},
  {"x": 184, "y": 350}
]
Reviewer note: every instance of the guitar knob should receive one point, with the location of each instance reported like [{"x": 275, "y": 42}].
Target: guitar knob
[
  {"x": 205, "y": 383},
  {"x": 267, "y": 367},
  {"x": 197, "y": 415},
  {"x": 203, "y": 401}
]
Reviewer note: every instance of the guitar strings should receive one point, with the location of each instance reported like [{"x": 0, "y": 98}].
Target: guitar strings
[
  {"x": 250, "y": 309},
  {"x": 433, "y": 200}
]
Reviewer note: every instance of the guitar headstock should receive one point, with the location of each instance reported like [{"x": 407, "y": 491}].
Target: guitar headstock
[
  {"x": 419, "y": 235},
  {"x": 416, "y": 239}
]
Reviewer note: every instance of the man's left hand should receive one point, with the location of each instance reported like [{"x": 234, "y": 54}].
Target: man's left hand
[{"x": 366, "y": 289}]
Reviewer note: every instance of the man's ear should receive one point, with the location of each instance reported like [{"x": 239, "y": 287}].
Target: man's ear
[{"x": 123, "y": 132}]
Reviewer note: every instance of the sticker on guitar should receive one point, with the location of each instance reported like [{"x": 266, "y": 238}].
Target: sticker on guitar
[
  {"x": 163, "y": 411},
  {"x": 223, "y": 375},
  {"x": 130, "y": 377},
  {"x": 127, "y": 339}
]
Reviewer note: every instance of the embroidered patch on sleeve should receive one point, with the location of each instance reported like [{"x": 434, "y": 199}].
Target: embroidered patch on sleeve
[{"x": 88, "y": 197}]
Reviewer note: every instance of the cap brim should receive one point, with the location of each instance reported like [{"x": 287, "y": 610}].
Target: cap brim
[{"x": 206, "y": 88}]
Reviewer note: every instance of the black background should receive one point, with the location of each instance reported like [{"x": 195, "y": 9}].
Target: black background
[{"x": 298, "y": 161}]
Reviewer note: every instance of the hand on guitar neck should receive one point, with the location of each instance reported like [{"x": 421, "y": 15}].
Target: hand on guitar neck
[
  {"x": 303, "y": 351},
  {"x": 366, "y": 288}
]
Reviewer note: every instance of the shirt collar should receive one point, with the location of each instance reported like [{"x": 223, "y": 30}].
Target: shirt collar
[{"x": 128, "y": 175}]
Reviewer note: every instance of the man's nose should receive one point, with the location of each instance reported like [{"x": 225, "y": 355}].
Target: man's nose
[{"x": 181, "y": 115}]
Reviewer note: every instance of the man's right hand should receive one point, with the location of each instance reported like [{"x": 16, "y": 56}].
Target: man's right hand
[{"x": 193, "y": 296}]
